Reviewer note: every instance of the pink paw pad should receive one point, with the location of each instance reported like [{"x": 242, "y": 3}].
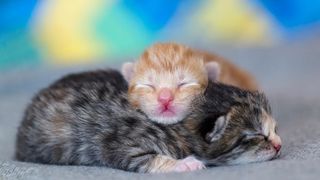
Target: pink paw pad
[{"x": 189, "y": 164}]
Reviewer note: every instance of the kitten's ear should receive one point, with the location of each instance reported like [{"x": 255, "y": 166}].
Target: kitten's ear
[
  {"x": 127, "y": 70},
  {"x": 213, "y": 70},
  {"x": 218, "y": 130}
]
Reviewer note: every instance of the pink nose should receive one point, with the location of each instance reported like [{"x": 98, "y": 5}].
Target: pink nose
[
  {"x": 276, "y": 146},
  {"x": 165, "y": 96}
]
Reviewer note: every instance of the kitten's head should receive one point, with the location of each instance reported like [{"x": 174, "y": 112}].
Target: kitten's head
[
  {"x": 166, "y": 78},
  {"x": 244, "y": 132}
]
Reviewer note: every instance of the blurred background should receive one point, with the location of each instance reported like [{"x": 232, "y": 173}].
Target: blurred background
[{"x": 73, "y": 32}]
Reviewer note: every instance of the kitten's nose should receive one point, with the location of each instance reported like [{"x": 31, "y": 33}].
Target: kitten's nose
[
  {"x": 275, "y": 140},
  {"x": 276, "y": 146},
  {"x": 165, "y": 96}
]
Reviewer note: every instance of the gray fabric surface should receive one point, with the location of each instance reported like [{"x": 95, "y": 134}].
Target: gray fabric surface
[{"x": 288, "y": 73}]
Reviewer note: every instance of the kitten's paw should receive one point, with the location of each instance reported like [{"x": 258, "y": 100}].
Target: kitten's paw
[{"x": 189, "y": 164}]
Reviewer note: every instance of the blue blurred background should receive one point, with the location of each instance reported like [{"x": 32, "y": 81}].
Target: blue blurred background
[{"x": 62, "y": 32}]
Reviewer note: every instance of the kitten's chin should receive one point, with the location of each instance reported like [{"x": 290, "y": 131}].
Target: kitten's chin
[
  {"x": 166, "y": 117},
  {"x": 167, "y": 114}
]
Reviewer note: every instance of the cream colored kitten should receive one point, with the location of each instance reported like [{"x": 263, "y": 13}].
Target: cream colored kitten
[{"x": 165, "y": 80}]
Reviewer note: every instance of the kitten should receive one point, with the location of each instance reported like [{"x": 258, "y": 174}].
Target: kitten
[
  {"x": 167, "y": 77},
  {"x": 86, "y": 119}
]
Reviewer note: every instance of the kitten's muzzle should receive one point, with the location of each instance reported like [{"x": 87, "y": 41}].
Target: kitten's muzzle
[
  {"x": 275, "y": 141},
  {"x": 277, "y": 147},
  {"x": 165, "y": 96}
]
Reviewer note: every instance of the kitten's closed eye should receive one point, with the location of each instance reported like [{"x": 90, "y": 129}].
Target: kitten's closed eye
[
  {"x": 149, "y": 86},
  {"x": 187, "y": 84},
  {"x": 253, "y": 136},
  {"x": 180, "y": 85}
]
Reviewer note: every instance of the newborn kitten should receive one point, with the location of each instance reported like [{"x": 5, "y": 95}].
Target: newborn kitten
[
  {"x": 167, "y": 77},
  {"x": 245, "y": 127},
  {"x": 85, "y": 119}
]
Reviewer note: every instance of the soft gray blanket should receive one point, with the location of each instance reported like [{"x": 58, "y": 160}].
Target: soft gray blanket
[{"x": 289, "y": 74}]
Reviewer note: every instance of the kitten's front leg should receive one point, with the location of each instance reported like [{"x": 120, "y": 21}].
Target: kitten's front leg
[
  {"x": 162, "y": 164},
  {"x": 189, "y": 163}
]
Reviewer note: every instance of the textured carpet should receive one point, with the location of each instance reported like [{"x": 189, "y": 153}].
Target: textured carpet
[{"x": 288, "y": 73}]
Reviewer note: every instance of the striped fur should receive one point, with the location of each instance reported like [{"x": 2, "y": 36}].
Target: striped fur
[{"x": 86, "y": 119}]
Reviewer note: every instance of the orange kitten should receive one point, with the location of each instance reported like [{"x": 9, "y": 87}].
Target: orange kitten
[{"x": 165, "y": 79}]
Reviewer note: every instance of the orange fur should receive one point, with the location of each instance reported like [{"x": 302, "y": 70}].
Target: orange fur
[
  {"x": 230, "y": 73},
  {"x": 168, "y": 65},
  {"x": 165, "y": 66},
  {"x": 167, "y": 57}
]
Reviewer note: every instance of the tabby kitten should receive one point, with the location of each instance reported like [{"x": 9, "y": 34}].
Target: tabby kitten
[
  {"x": 86, "y": 119},
  {"x": 168, "y": 76}
]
